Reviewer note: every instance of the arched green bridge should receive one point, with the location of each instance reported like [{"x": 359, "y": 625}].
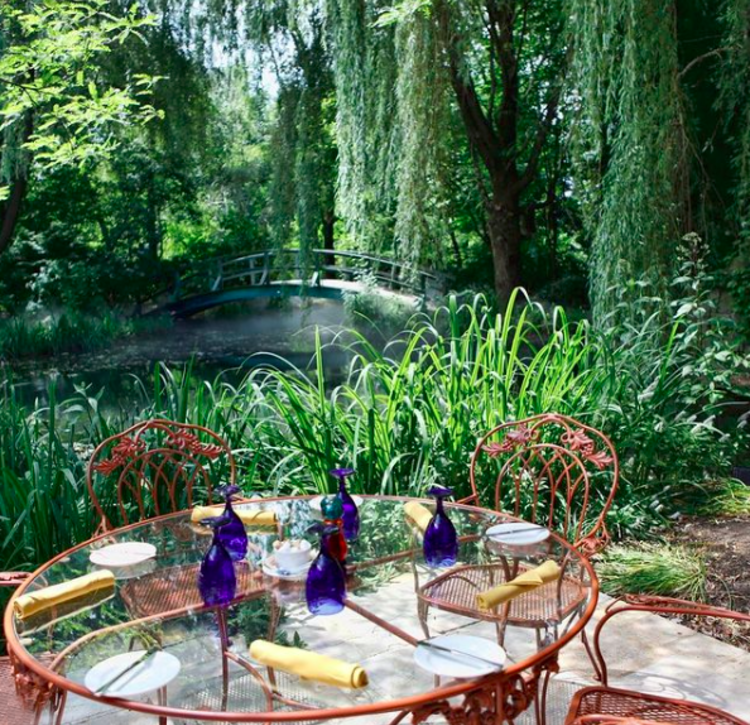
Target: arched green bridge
[{"x": 320, "y": 273}]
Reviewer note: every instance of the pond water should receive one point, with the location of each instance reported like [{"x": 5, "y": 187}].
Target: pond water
[{"x": 249, "y": 336}]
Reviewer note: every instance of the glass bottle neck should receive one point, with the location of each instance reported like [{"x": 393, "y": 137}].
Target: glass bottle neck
[{"x": 439, "y": 505}]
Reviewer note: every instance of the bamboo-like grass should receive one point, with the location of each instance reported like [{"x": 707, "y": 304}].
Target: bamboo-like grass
[{"x": 404, "y": 418}]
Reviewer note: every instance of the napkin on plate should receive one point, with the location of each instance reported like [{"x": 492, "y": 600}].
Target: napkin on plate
[
  {"x": 31, "y": 603},
  {"x": 526, "y": 582},
  {"x": 419, "y": 514},
  {"x": 308, "y": 665},
  {"x": 249, "y": 517}
]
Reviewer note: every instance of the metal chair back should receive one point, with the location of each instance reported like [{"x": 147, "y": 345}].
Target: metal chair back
[
  {"x": 155, "y": 467},
  {"x": 552, "y": 470}
]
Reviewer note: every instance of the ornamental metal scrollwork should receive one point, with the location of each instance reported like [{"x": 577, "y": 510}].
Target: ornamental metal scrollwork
[
  {"x": 35, "y": 691},
  {"x": 495, "y": 703},
  {"x": 129, "y": 448},
  {"x": 576, "y": 440},
  {"x": 478, "y": 708},
  {"x": 513, "y": 439},
  {"x": 125, "y": 450},
  {"x": 579, "y": 441},
  {"x": 183, "y": 440}
]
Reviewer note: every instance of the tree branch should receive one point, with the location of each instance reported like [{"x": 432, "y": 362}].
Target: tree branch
[{"x": 701, "y": 58}]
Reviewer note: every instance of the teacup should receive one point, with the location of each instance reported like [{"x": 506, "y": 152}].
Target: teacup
[{"x": 292, "y": 555}]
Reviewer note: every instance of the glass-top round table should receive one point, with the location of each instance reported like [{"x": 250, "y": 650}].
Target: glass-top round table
[{"x": 394, "y": 601}]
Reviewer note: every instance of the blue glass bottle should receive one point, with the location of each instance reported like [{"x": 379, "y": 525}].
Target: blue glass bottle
[
  {"x": 217, "y": 581},
  {"x": 440, "y": 543},
  {"x": 350, "y": 517},
  {"x": 325, "y": 587},
  {"x": 232, "y": 534}
]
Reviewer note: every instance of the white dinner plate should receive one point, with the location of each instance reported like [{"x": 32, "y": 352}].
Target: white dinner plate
[
  {"x": 128, "y": 553},
  {"x": 517, "y": 533},
  {"x": 456, "y": 664},
  {"x": 157, "y": 670},
  {"x": 271, "y": 568},
  {"x": 318, "y": 500}
]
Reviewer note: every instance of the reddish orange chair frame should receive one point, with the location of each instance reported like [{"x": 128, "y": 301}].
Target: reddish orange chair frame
[
  {"x": 606, "y": 702},
  {"x": 153, "y": 460},
  {"x": 20, "y": 697},
  {"x": 554, "y": 467}
]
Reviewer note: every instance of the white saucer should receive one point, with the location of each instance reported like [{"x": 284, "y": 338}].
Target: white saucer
[
  {"x": 448, "y": 664},
  {"x": 316, "y": 502},
  {"x": 157, "y": 670},
  {"x": 517, "y": 533},
  {"x": 128, "y": 553},
  {"x": 270, "y": 568}
]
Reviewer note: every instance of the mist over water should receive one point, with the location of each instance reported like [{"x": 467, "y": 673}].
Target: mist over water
[{"x": 227, "y": 341}]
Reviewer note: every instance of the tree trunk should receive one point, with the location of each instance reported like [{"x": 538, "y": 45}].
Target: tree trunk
[
  {"x": 504, "y": 224},
  {"x": 10, "y": 210}
]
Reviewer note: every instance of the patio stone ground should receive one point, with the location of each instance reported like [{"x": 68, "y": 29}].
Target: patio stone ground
[{"x": 645, "y": 652}]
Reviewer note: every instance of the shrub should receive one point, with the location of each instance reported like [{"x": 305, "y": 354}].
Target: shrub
[{"x": 411, "y": 415}]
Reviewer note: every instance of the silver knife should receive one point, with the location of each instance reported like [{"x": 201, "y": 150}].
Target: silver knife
[
  {"x": 459, "y": 653},
  {"x": 146, "y": 654}
]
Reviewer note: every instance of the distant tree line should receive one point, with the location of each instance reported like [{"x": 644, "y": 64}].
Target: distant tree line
[{"x": 567, "y": 146}]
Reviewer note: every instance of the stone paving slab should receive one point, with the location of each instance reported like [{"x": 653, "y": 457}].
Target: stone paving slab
[{"x": 645, "y": 652}]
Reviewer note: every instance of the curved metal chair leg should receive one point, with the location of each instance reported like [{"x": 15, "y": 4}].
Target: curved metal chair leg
[
  {"x": 540, "y": 703},
  {"x": 591, "y": 656},
  {"x": 423, "y": 610}
]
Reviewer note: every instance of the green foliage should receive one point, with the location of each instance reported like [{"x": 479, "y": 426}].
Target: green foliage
[
  {"x": 661, "y": 569},
  {"x": 49, "y": 73},
  {"x": 22, "y": 338},
  {"x": 725, "y": 497},
  {"x": 634, "y": 147},
  {"x": 408, "y": 417},
  {"x": 373, "y": 307}
]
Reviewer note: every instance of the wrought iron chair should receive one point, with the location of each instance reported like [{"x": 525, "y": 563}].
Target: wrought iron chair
[
  {"x": 606, "y": 702},
  {"x": 542, "y": 460},
  {"x": 21, "y": 697},
  {"x": 551, "y": 468},
  {"x": 157, "y": 465}
]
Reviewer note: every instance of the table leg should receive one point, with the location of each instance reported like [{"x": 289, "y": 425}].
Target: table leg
[{"x": 161, "y": 698}]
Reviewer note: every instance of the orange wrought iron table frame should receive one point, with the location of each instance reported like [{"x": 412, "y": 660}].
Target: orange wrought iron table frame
[{"x": 494, "y": 698}]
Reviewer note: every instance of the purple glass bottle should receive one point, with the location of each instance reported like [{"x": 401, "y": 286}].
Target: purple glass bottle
[
  {"x": 440, "y": 540},
  {"x": 232, "y": 533},
  {"x": 325, "y": 587},
  {"x": 350, "y": 517},
  {"x": 217, "y": 581}
]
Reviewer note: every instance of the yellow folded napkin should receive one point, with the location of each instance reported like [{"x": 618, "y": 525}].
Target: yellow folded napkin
[
  {"x": 308, "y": 665},
  {"x": 419, "y": 514},
  {"x": 526, "y": 582},
  {"x": 32, "y": 602},
  {"x": 249, "y": 517}
]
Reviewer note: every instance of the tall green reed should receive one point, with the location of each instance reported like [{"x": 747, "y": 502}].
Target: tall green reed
[{"x": 404, "y": 417}]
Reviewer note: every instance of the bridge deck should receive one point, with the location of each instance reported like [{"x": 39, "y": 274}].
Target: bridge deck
[{"x": 276, "y": 273}]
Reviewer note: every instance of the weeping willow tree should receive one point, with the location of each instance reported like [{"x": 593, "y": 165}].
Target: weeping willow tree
[
  {"x": 367, "y": 131},
  {"x": 635, "y": 154},
  {"x": 290, "y": 35},
  {"x": 502, "y": 63}
]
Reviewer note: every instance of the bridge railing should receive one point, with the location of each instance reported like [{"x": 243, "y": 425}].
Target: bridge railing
[{"x": 310, "y": 268}]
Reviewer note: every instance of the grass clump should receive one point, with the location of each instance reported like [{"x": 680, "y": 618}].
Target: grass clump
[
  {"x": 49, "y": 335},
  {"x": 727, "y": 497},
  {"x": 663, "y": 569}
]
